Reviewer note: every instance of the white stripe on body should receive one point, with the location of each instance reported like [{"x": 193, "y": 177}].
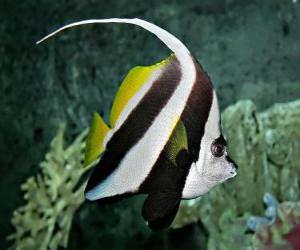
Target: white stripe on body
[{"x": 133, "y": 102}]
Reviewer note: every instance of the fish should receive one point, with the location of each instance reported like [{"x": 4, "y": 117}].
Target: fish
[{"x": 164, "y": 137}]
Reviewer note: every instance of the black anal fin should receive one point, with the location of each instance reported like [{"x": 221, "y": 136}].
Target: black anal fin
[
  {"x": 159, "y": 209},
  {"x": 164, "y": 187}
]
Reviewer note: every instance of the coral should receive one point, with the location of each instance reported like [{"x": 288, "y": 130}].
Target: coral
[
  {"x": 255, "y": 222},
  {"x": 266, "y": 146},
  {"x": 52, "y": 197},
  {"x": 281, "y": 231},
  {"x": 278, "y": 229}
]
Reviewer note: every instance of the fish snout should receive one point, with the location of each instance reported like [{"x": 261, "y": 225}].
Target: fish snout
[
  {"x": 233, "y": 171},
  {"x": 233, "y": 164},
  {"x": 233, "y": 168}
]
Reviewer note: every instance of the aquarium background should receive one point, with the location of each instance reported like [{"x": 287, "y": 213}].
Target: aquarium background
[{"x": 251, "y": 50}]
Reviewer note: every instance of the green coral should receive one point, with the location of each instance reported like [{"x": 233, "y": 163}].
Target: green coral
[
  {"x": 266, "y": 146},
  {"x": 52, "y": 197},
  {"x": 281, "y": 233}
]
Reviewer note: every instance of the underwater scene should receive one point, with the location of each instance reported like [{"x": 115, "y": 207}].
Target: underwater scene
[{"x": 150, "y": 125}]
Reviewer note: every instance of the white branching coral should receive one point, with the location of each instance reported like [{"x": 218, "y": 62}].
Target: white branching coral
[{"x": 52, "y": 197}]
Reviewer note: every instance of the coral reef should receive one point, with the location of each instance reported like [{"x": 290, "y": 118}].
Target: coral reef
[
  {"x": 266, "y": 146},
  {"x": 279, "y": 228},
  {"x": 52, "y": 197},
  {"x": 255, "y": 222}
]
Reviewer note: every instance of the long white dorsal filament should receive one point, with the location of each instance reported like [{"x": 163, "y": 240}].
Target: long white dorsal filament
[{"x": 168, "y": 39}]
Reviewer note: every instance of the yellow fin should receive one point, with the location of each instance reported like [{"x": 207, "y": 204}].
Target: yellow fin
[
  {"x": 135, "y": 79},
  {"x": 177, "y": 142},
  {"x": 94, "y": 143}
]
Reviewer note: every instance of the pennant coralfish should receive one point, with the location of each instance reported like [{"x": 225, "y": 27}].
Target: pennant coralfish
[{"x": 164, "y": 138}]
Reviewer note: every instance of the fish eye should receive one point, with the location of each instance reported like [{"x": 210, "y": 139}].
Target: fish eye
[{"x": 217, "y": 149}]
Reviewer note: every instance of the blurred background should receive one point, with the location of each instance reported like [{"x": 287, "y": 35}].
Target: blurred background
[{"x": 251, "y": 50}]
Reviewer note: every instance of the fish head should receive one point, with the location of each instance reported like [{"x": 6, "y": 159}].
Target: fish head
[
  {"x": 216, "y": 165},
  {"x": 213, "y": 167}
]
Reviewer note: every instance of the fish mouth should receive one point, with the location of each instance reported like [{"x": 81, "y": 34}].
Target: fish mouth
[
  {"x": 234, "y": 165},
  {"x": 234, "y": 169},
  {"x": 233, "y": 174}
]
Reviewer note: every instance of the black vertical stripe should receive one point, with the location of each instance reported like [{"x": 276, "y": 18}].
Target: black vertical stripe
[
  {"x": 137, "y": 123},
  {"x": 197, "y": 110},
  {"x": 170, "y": 178}
]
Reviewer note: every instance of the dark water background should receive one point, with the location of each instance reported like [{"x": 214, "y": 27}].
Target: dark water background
[{"x": 251, "y": 50}]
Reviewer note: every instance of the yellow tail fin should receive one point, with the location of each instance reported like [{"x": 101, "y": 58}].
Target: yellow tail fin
[{"x": 95, "y": 139}]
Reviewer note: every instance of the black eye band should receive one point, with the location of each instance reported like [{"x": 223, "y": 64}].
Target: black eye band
[
  {"x": 221, "y": 140},
  {"x": 231, "y": 161}
]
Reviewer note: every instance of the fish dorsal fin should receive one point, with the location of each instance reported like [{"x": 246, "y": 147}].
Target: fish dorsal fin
[
  {"x": 168, "y": 39},
  {"x": 177, "y": 142},
  {"x": 133, "y": 82},
  {"x": 95, "y": 139},
  {"x": 132, "y": 166}
]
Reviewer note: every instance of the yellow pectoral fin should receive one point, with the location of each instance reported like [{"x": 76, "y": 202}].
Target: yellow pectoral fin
[
  {"x": 132, "y": 83},
  {"x": 95, "y": 139},
  {"x": 178, "y": 141}
]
